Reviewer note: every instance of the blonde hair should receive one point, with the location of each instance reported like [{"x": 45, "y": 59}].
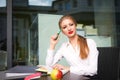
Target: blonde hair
[
  {"x": 67, "y": 17},
  {"x": 84, "y": 50}
]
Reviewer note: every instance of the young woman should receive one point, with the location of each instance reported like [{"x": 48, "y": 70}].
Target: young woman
[{"x": 81, "y": 53}]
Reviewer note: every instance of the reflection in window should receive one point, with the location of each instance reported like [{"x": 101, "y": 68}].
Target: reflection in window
[
  {"x": 99, "y": 2},
  {"x": 117, "y": 3},
  {"x": 33, "y": 40},
  {"x": 20, "y": 49},
  {"x": 40, "y": 2},
  {"x": 3, "y": 32},
  {"x": 60, "y": 6},
  {"x": 2, "y": 3},
  {"x": 90, "y": 2},
  {"x": 67, "y": 5},
  {"x": 75, "y": 3}
]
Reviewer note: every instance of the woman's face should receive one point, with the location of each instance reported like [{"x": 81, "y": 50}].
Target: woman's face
[{"x": 68, "y": 27}]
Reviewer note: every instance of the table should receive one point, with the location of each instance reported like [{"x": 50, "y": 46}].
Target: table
[
  {"x": 67, "y": 76},
  {"x": 20, "y": 72},
  {"x": 17, "y": 72}
]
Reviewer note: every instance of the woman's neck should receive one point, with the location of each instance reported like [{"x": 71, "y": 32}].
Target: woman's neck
[{"x": 74, "y": 40}]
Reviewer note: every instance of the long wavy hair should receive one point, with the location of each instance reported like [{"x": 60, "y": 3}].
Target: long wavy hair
[{"x": 84, "y": 50}]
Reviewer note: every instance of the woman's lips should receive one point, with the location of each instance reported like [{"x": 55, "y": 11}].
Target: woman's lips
[{"x": 70, "y": 32}]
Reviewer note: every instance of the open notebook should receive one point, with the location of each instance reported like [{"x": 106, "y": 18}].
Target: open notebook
[
  {"x": 45, "y": 69},
  {"x": 42, "y": 70}
]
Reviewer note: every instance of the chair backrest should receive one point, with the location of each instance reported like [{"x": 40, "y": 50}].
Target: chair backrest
[{"x": 108, "y": 63}]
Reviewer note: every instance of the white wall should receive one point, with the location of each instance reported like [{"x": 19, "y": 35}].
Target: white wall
[{"x": 48, "y": 25}]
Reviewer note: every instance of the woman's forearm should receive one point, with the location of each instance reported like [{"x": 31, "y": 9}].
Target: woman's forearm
[
  {"x": 52, "y": 47},
  {"x": 49, "y": 57}
]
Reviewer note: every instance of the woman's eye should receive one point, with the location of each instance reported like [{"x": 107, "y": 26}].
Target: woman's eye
[
  {"x": 64, "y": 27},
  {"x": 71, "y": 24}
]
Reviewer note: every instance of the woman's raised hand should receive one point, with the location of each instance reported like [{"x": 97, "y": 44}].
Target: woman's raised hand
[{"x": 53, "y": 41}]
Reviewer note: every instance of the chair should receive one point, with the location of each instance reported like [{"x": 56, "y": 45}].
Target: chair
[
  {"x": 108, "y": 63},
  {"x": 3, "y": 60}
]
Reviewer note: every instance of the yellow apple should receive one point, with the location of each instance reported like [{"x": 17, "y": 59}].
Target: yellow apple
[{"x": 56, "y": 74}]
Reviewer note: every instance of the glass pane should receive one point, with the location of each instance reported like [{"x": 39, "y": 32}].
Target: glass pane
[
  {"x": 2, "y": 3},
  {"x": 100, "y": 19},
  {"x": 33, "y": 43},
  {"x": 67, "y": 5},
  {"x": 40, "y": 2},
  {"x": 96, "y": 19},
  {"x": 74, "y": 3},
  {"x": 3, "y": 35},
  {"x": 20, "y": 49}
]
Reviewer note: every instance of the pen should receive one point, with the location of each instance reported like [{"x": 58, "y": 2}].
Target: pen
[{"x": 58, "y": 35}]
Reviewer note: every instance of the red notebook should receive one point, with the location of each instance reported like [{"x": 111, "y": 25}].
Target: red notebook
[{"x": 33, "y": 76}]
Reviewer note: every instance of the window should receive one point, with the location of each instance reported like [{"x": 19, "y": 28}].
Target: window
[
  {"x": 117, "y": 2},
  {"x": 75, "y": 3},
  {"x": 2, "y": 3},
  {"x": 90, "y": 2},
  {"x": 39, "y": 2},
  {"x": 60, "y": 6},
  {"x": 67, "y": 5}
]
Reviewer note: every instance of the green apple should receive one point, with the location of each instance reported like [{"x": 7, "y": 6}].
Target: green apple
[{"x": 56, "y": 74}]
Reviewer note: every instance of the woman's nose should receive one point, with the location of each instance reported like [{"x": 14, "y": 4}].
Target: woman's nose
[{"x": 68, "y": 28}]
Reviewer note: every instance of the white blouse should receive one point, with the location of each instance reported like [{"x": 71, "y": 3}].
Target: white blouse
[{"x": 77, "y": 65}]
